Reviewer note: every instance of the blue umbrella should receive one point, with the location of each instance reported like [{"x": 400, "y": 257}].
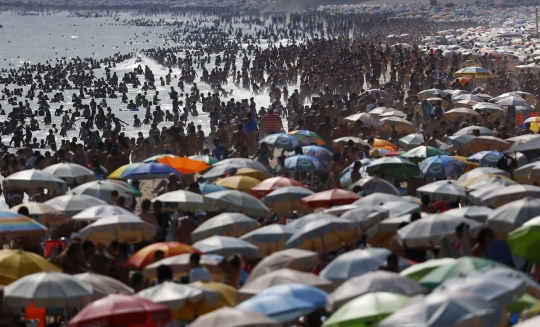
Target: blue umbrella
[
  {"x": 302, "y": 163},
  {"x": 315, "y": 151},
  {"x": 207, "y": 188},
  {"x": 442, "y": 167},
  {"x": 151, "y": 170},
  {"x": 486, "y": 158},
  {"x": 282, "y": 141},
  {"x": 282, "y": 309},
  {"x": 303, "y": 292}
]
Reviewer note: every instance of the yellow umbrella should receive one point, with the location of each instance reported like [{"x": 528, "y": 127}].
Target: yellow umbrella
[
  {"x": 241, "y": 183},
  {"x": 250, "y": 172},
  {"x": 460, "y": 114},
  {"x": 15, "y": 264},
  {"x": 226, "y": 298},
  {"x": 470, "y": 165},
  {"x": 43, "y": 213}
]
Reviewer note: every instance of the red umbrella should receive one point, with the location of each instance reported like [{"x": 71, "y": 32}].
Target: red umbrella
[
  {"x": 145, "y": 256},
  {"x": 121, "y": 310},
  {"x": 327, "y": 199},
  {"x": 271, "y": 184}
]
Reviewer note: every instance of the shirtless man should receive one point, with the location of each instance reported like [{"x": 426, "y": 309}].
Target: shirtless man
[{"x": 239, "y": 136}]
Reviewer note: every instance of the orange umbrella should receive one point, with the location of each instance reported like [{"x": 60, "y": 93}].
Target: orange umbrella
[
  {"x": 327, "y": 199},
  {"x": 184, "y": 165},
  {"x": 145, "y": 255},
  {"x": 267, "y": 186},
  {"x": 383, "y": 144}
]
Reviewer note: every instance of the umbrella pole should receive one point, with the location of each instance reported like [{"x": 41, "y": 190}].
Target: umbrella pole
[{"x": 324, "y": 247}]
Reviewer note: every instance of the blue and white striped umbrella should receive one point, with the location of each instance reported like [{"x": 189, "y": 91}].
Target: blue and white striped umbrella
[
  {"x": 486, "y": 158},
  {"x": 442, "y": 167},
  {"x": 302, "y": 163},
  {"x": 282, "y": 141}
]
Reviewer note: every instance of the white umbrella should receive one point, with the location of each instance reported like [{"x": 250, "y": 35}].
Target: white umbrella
[
  {"x": 514, "y": 214},
  {"x": 398, "y": 208},
  {"x": 34, "y": 178},
  {"x": 180, "y": 265},
  {"x": 229, "y": 317},
  {"x": 225, "y": 246},
  {"x": 174, "y": 296},
  {"x": 102, "y": 190},
  {"x": 477, "y": 172},
  {"x": 269, "y": 238},
  {"x": 432, "y": 229},
  {"x": 301, "y": 260},
  {"x": 100, "y": 211},
  {"x": 72, "y": 204},
  {"x": 478, "y": 213},
  {"x": 237, "y": 201},
  {"x": 104, "y": 285},
  {"x": 226, "y": 224},
  {"x": 375, "y": 281},
  {"x": 458, "y": 309},
  {"x": 124, "y": 229},
  {"x": 48, "y": 289},
  {"x": 445, "y": 190},
  {"x": 367, "y": 119},
  {"x": 502, "y": 195},
  {"x": 366, "y": 217},
  {"x": 374, "y": 184},
  {"x": 376, "y": 199},
  {"x": 181, "y": 200},
  {"x": 73, "y": 174},
  {"x": 222, "y": 167},
  {"x": 339, "y": 210}
]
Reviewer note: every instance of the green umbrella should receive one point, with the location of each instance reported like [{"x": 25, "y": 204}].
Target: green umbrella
[
  {"x": 420, "y": 153},
  {"x": 459, "y": 267},
  {"x": 131, "y": 188},
  {"x": 524, "y": 302},
  {"x": 419, "y": 270},
  {"x": 525, "y": 240},
  {"x": 207, "y": 159},
  {"x": 392, "y": 167},
  {"x": 366, "y": 310}
]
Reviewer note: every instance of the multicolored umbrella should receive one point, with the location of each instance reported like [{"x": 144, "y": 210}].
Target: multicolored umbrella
[
  {"x": 307, "y": 137},
  {"x": 392, "y": 167},
  {"x": 302, "y": 163},
  {"x": 282, "y": 141},
  {"x": 151, "y": 170},
  {"x": 486, "y": 158},
  {"x": 442, "y": 167},
  {"x": 315, "y": 151},
  {"x": 145, "y": 256},
  {"x": 285, "y": 200},
  {"x": 125, "y": 170},
  {"x": 329, "y": 198},
  {"x": 419, "y": 270},
  {"x": 267, "y": 186},
  {"x": 209, "y": 160},
  {"x": 420, "y": 153},
  {"x": 159, "y": 156},
  {"x": 14, "y": 225},
  {"x": 184, "y": 165}
]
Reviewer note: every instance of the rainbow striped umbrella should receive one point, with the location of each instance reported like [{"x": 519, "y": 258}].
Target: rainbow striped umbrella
[
  {"x": 14, "y": 224},
  {"x": 307, "y": 137},
  {"x": 124, "y": 170}
]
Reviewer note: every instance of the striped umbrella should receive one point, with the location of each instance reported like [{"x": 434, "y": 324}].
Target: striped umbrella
[
  {"x": 473, "y": 72},
  {"x": 14, "y": 224}
]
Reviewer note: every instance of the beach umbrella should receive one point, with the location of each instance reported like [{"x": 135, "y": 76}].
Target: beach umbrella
[
  {"x": 445, "y": 190},
  {"x": 478, "y": 213},
  {"x": 209, "y": 160},
  {"x": 367, "y": 309},
  {"x": 269, "y": 238},
  {"x": 324, "y": 235},
  {"x": 430, "y": 93},
  {"x": 145, "y": 256},
  {"x": 487, "y": 181},
  {"x": 307, "y": 137},
  {"x": 287, "y": 199},
  {"x": 229, "y": 317},
  {"x": 303, "y": 292},
  {"x": 18, "y": 263},
  {"x": 525, "y": 95},
  {"x": 180, "y": 265},
  {"x": 367, "y": 119},
  {"x": 34, "y": 178},
  {"x": 466, "y": 98},
  {"x": 366, "y": 217},
  {"x": 513, "y": 100},
  {"x": 474, "y": 72},
  {"x": 225, "y": 224},
  {"x": 374, "y": 281},
  {"x": 486, "y": 143},
  {"x": 48, "y": 289},
  {"x": 302, "y": 221},
  {"x": 301, "y": 260},
  {"x": 442, "y": 167},
  {"x": 377, "y": 199},
  {"x": 523, "y": 303},
  {"x": 124, "y": 229},
  {"x": 282, "y": 141},
  {"x": 102, "y": 190},
  {"x": 420, "y": 153},
  {"x": 466, "y": 103},
  {"x": 381, "y": 93},
  {"x": 419, "y": 270},
  {"x": 159, "y": 156},
  {"x": 72, "y": 174},
  {"x": 302, "y": 162},
  {"x": 374, "y": 184},
  {"x": 237, "y": 201},
  {"x": 241, "y": 183},
  {"x": 271, "y": 184},
  {"x": 13, "y": 225},
  {"x": 432, "y": 229},
  {"x": 392, "y": 167},
  {"x": 525, "y": 239},
  {"x": 489, "y": 284},
  {"x": 226, "y": 295},
  {"x": 503, "y": 195},
  {"x": 458, "y": 141},
  {"x": 72, "y": 204},
  {"x": 102, "y": 210},
  {"x": 125, "y": 170},
  {"x": 121, "y": 310},
  {"x": 488, "y": 108},
  {"x": 339, "y": 210},
  {"x": 43, "y": 213},
  {"x": 446, "y": 309},
  {"x": 528, "y": 173},
  {"x": 355, "y": 263},
  {"x": 398, "y": 124},
  {"x": 412, "y": 141},
  {"x": 250, "y": 172},
  {"x": 329, "y": 198},
  {"x": 522, "y": 138},
  {"x": 151, "y": 170},
  {"x": 207, "y": 188},
  {"x": 232, "y": 165},
  {"x": 103, "y": 285},
  {"x": 398, "y": 208},
  {"x": 181, "y": 200},
  {"x": 277, "y": 307},
  {"x": 460, "y": 114},
  {"x": 384, "y": 144},
  {"x": 344, "y": 140},
  {"x": 184, "y": 165},
  {"x": 132, "y": 190},
  {"x": 486, "y": 158},
  {"x": 282, "y": 276},
  {"x": 470, "y": 130},
  {"x": 174, "y": 296},
  {"x": 383, "y": 233},
  {"x": 461, "y": 266},
  {"x": 475, "y": 173},
  {"x": 315, "y": 151},
  {"x": 225, "y": 246}
]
